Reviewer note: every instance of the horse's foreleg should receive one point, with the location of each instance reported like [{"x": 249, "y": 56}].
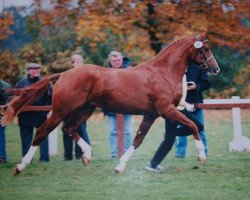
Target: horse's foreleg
[
  {"x": 41, "y": 133},
  {"x": 173, "y": 114},
  {"x": 140, "y": 135}
]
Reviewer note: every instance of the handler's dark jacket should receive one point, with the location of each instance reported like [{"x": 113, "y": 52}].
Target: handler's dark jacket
[
  {"x": 34, "y": 118},
  {"x": 3, "y": 95},
  {"x": 202, "y": 83}
]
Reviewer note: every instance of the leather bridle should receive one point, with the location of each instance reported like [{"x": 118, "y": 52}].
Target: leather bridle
[{"x": 200, "y": 49}]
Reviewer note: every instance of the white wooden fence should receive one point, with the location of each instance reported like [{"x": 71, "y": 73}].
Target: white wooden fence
[{"x": 239, "y": 143}]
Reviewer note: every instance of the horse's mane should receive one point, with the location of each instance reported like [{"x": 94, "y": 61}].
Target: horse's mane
[{"x": 167, "y": 47}]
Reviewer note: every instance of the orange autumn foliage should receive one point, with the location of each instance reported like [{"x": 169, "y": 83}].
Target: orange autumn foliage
[{"x": 5, "y": 22}]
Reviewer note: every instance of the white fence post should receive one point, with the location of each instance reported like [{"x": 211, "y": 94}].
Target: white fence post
[
  {"x": 53, "y": 142},
  {"x": 239, "y": 143}
]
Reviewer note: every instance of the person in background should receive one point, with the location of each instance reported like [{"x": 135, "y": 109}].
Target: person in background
[
  {"x": 3, "y": 100},
  {"x": 197, "y": 82},
  {"x": 76, "y": 61},
  {"x": 27, "y": 121},
  {"x": 118, "y": 61}
]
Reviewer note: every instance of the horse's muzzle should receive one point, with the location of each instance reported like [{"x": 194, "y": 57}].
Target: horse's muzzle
[{"x": 214, "y": 70}]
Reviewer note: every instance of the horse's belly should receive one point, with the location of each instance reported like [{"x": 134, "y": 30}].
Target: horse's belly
[{"x": 126, "y": 107}]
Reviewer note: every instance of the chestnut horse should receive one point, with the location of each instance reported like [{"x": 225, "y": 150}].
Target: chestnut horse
[{"x": 153, "y": 88}]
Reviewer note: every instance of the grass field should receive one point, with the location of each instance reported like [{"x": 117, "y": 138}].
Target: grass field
[{"x": 226, "y": 175}]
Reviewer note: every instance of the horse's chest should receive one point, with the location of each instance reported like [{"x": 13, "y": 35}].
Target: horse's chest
[
  {"x": 173, "y": 90},
  {"x": 171, "y": 94}
]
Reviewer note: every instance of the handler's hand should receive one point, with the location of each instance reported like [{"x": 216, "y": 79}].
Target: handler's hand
[
  {"x": 191, "y": 85},
  {"x": 190, "y": 107}
]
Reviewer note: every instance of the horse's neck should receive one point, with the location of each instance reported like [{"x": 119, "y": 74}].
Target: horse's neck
[{"x": 174, "y": 59}]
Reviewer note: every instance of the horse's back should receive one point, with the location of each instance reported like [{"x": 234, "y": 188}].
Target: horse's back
[{"x": 118, "y": 89}]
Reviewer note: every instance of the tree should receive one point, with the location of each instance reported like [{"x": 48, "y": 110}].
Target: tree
[
  {"x": 163, "y": 21},
  {"x": 19, "y": 36},
  {"x": 242, "y": 81},
  {"x": 158, "y": 22},
  {"x": 140, "y": 28},
  {"x": 6, "y": 20},
  {"x": 9, "y": 70}
]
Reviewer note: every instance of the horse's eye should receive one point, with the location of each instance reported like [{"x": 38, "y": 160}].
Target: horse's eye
[{"x": 206, "y": 49}]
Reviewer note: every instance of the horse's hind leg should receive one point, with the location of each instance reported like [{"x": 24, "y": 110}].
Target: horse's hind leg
[
  {"x": 70, "y": 127},
  {"x": 48, "y": 126},
  {"x": 140, "y": 135},
  {"x": 173, "y": 114}
]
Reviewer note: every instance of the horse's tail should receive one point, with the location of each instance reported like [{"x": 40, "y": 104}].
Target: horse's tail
[{"x": 25, "y": 97}]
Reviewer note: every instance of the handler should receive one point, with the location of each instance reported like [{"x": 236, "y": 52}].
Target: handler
[
  {"x": 198, "y": 82},
  {"x": 173, "y": 129}
]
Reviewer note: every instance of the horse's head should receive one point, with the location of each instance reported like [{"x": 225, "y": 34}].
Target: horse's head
[{"x": 203, "y": 56}]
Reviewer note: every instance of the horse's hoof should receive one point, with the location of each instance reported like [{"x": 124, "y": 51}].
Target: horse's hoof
[
  {"x": 85, "y": 161},
  {"x": 16, "y": 171},
  {"x": 117, "y": 171},
  {"x": 202, "y": 161}
]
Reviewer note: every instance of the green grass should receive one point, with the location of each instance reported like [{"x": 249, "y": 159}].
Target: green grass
[{"x": 226, "y": 175}]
